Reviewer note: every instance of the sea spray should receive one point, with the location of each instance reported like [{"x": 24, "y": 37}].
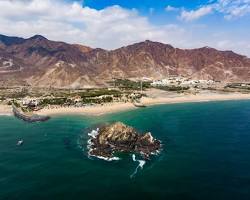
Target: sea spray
[
  {"x": 92, "y": 135},
  {"x": 105, "y": 142},
  {"x": 140, "y": 165},
  {"x": 107, "y": 159}
]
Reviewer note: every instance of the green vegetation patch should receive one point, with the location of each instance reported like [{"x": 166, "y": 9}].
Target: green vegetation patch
[
  {"x": 132, "y": 85},
  {"x": 99, "y": 92},
  {"x": 245, "y": 86},
  {"x": 54, "y": 101},
  {"x": 173, "y": 88}
]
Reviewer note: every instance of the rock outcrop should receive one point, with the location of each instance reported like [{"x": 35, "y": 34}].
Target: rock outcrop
[
  {"x": 28, "y": 117},
  {"x": 118, "y": 137}
]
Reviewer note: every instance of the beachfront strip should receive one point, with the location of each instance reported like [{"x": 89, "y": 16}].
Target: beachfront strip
[{"x": 135, "y": 92}]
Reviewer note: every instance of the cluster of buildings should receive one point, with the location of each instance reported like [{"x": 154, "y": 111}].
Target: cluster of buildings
[
  {"x": 34, "y": 103},
  {"x": 29, "y": 102},
  {"x": 183, "y": 82}
]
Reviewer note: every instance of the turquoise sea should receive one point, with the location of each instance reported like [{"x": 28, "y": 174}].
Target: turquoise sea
[{"x": 206, "y": 155}]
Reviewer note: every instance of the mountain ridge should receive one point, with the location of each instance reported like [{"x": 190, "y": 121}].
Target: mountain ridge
[{"x": 40, "y": 62}]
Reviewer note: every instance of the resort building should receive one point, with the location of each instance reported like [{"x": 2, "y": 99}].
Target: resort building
[
  {"x": 29, "y": 102},
  {"x": 182, "y": 81}
]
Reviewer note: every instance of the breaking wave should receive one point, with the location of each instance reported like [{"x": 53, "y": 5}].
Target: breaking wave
[
  {"x": 106, "y": 159},
  {"x": 92, "y": 135},
  {"x": 140, "y": 165}
]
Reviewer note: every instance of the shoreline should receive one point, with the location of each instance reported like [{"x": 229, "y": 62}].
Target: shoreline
[
  {"x": 98, "y": 110},
  {"x": 5, "y": 110}
]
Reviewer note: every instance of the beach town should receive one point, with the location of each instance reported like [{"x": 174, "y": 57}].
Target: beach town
[{"x": 120, "y": 95}]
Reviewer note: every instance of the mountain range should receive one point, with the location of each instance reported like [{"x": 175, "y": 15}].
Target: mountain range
[{"x": 40, "y": 62}]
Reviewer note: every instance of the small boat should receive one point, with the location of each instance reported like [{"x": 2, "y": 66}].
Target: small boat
[{"x": 19, "y": 143}]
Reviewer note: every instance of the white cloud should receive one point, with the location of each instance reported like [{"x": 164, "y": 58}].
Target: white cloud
[
  {"x": 171, "y": 8},
  {"x": 233, "y": 8},
  {"x": 229, "y": 8},
  {"x": 109, "y": 28},
  {"x": 229, "y": 44},
  {"x": 195, "y": 14}
]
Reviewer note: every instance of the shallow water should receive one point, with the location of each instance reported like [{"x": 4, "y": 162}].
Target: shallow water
[{"x": 206, "y": 148}]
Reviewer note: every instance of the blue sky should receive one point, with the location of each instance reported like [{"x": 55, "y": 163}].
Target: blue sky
[
  {"x": 160, "y": 12},
  {"x": 144, "y": 4},
  {"x": 109, "y": 24},
  {"x": 154, "y": 9},
  {"x": 157, "y": 13}
]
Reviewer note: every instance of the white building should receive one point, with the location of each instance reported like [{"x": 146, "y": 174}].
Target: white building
[
  {"x": 30, "y": 102},
  {"x": 181, "y": 81}
]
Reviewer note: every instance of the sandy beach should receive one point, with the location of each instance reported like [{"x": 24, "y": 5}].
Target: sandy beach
[
  {"x": 155, "y": 97},
  {"x": 88, "y": 110},
  {"x": 5, "y": 110},
  {"x": 201, "y": 97}
]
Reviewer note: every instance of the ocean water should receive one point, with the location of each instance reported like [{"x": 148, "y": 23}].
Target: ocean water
[{"x": 206, "y": 155}]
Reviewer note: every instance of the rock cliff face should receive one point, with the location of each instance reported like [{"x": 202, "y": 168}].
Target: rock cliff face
[
  {"x": 37, "y": 61},
  {"x": 118, "y": 137}
]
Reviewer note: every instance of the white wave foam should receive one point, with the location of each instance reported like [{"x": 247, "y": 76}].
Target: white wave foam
[
  {"x": 141, "y": 164},
  {"x": 107, "y": 159},
  {"x": 93, "y": 135},
  {"x": 157, "y": 152}
]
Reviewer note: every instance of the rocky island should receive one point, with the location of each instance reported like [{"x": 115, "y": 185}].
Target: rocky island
[{"x": 118, "y": 137}]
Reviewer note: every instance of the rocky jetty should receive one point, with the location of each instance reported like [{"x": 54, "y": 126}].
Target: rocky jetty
[
  {"x": 118, "y": 137},
  {"x": 28, "y": 117}
]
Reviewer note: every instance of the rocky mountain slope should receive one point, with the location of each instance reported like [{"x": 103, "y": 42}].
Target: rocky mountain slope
[{"x": 38, "y": 61}]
